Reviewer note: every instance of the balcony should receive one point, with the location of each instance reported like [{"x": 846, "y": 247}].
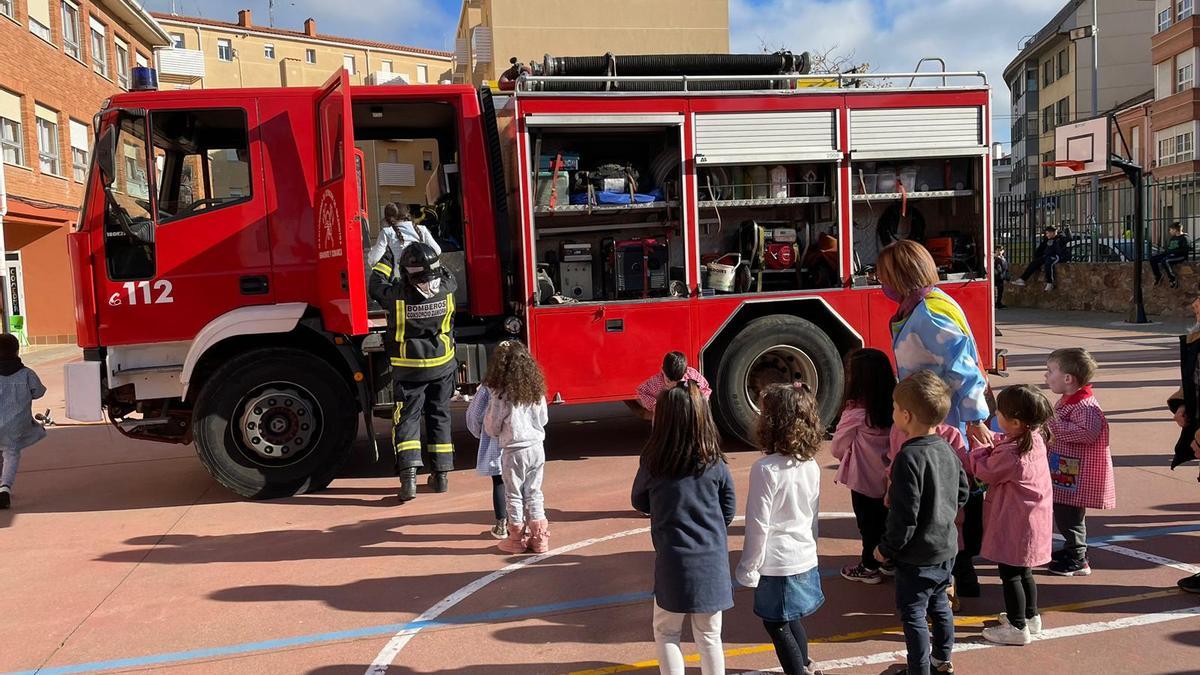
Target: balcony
[
  {"x": 1175, "y": 109},
  {"x": 179, "y": 66},
  {"x": 1180, "y": 37}
]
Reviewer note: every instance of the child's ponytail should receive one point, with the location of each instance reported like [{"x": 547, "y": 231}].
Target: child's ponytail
[{"x": 1028, "y": 405}]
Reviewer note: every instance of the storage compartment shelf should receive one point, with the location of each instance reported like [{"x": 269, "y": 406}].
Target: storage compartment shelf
[
  {"x": 896, "y": 196},
  {"x": 584, "y": 209},
  {"x": 781, "y": 201},
  {"x": 549, "y": 231}
]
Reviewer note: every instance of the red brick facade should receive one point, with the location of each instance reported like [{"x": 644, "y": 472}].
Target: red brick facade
[{"x": 42, "y": 207}]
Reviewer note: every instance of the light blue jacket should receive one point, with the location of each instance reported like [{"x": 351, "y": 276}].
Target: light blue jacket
[
  {"x": 487, "y": 462},
  {"x": 17, "y": 394},
  {"x": 937, "y": 337}
]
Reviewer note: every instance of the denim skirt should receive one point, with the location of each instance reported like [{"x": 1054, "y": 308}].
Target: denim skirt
[{"x": 788, "y": 598}]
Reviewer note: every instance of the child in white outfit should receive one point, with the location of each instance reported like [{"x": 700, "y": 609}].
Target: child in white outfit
[
  {"x": 487, "y": 460},
  {"x": 19, "y": 387},
  {"x": 517, "y": 416}
]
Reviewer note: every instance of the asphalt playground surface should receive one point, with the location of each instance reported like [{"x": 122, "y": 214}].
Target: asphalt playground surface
[{"x": 126, "y": 556}]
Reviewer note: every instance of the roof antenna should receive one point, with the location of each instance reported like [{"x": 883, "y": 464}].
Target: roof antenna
[{"x": 271, "y": 13}]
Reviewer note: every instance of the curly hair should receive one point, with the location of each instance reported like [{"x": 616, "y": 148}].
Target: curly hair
[
  {"x": 514, "y": 376},
  {"x": 684, "y": 440},
  {"x": 1029, "y": 406},
  {"x": 789, "y": 423}
]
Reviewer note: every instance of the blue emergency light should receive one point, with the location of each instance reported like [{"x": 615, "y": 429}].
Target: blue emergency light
[{"x": 144, "y": 79}]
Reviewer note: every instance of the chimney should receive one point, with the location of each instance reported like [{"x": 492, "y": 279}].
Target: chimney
[
  {"x": 310, "y": 27},
  {"x": 244, "y": 18}
]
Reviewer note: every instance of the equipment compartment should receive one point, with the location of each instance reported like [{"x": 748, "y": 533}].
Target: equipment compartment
[{"x": 607, "y": 221}]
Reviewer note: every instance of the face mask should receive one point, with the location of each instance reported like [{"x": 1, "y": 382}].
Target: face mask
[
  {"x": 891, "y": 294},
  {"x": 429, "y": 288}
]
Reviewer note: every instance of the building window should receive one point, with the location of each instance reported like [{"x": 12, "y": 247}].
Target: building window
[
  {"x": 1031, "y": 125},
  {"x": 99, "y": 48},
  {"x": 386, "y": 66},
  {"x": 422, "y": 74},
  {"x": 1047, "y": 73},
  {"x": 1164, "y": 19},
  {"x": 79, "y": 150},
  {"x": 1184, "y": 152},
  {"x": 122, "y": 54},
  {"x": 1047, "y": 171},
  {"x": 1063, "y": 111},
  {"x": 47, "y": 135},
  {"x": 348, "y": 64},
  {"x": 177, "y": 40},
  {"x": 269, "y": 52},
  {"x": 1183, "y": 78},
  {"x": 1047, "y": 118},
  {"x": 310, "y": 56},
  {"x": 427, "y": 161},
  {"x": 1031, "y": 76},
  {"x": 1064, "y": 63},
  {"x": 12, "y": 143},
  {"x": 6, "y": 8},
  {"x": 39, "y": 18},
  {"x": 70, "y": 27},
  {"x": 224, "y": 50},
  {"x": 1176, "y": 145},
  {"x": 1183, "y": 9}
]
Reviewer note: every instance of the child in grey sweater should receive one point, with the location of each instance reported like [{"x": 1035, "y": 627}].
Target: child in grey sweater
[
  {"x": 19, "y": 387},
  {"x": 516, "y": 416}
]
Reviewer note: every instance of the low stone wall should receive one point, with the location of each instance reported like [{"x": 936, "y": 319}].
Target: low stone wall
[{"x": 1107, "y": 287}]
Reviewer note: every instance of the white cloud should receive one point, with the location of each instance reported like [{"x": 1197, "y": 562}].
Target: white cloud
[{"x": 892, "y": 35}]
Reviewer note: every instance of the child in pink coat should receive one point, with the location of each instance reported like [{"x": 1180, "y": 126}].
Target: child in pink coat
[
  {"x": 1019, "y": 509},
  {"x": 1080, "y": 462},
  {"x": 860, "y": 444}
]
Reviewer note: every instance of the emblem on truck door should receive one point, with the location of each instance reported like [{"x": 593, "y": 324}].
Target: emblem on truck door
[{"x": 329, "y": 233}]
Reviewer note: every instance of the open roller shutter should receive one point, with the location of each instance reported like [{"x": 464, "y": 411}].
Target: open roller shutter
[
  {"x": 757, "y": 138},
  {"x": 916, "y": 132}
]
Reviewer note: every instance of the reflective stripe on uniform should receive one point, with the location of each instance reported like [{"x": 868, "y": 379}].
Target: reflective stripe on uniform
[
  {"x": 436, "y": 361},
  {"x": 408, "y": 445},
  {"x": 440, "y": 447},
  {"x": 382, "y": 268},
  {"x": 396, "y": 412}
]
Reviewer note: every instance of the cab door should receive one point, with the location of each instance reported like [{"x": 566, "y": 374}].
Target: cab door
[{"x": 341, "y": 288}]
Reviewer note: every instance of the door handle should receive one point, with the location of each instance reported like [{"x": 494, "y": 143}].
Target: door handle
[
  {"x": 614, "y": 325},
  {"x": 254, "y": 285}
]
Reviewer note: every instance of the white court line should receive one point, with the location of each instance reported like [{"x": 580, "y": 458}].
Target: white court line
[
  {"x": 1148, "y": 557},
  {"x": 1046, "y": 634},
  {"x": 400, "y": 640}
]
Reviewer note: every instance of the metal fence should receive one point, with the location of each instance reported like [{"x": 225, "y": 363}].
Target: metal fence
[{"x": 1106, "y": 236}]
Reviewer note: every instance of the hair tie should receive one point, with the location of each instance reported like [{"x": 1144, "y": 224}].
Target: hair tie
[{"x": 800, "y": 385}]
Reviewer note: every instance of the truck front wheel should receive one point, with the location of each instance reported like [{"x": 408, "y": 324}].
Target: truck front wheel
[
  {"x": 775, "y": 350},
  {"x": 274, "y": 423}
]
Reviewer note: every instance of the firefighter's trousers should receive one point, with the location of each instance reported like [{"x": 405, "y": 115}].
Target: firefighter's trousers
[{"x": 414, "y": 401}]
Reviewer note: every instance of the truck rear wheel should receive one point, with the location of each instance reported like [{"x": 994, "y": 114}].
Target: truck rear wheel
[
  {"x": 770, "y": 350},
  {"x": 274, "y": 423}
]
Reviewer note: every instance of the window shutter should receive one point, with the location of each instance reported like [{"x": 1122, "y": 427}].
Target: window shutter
[
  {"x": 739, "y": 138},
  {"x": 917, "y": 132},
  {"x": 96, "y": 25},
  {"x": 79, "y": 136},
  {"x": 10, "y": 106},
  {"x": 402, "y": 175},
  {"x": 39, "y": 10},
  {"x": 45, "y": 113}
]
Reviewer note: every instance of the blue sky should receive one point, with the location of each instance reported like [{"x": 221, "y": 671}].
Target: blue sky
[{"x": 892, "y": 35}]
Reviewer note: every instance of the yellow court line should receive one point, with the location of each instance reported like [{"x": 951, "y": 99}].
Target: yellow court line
[{"x": 963, "y": 621}]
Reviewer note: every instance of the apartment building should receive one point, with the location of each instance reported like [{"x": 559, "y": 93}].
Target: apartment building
[
  {"x": 232, "y": 54},
  {"x": 60, "y": 59},
  {"x": 1050, "y": 80},
  {"x": 490, "y": 32},
  {"x": 1176, "y": 108}
]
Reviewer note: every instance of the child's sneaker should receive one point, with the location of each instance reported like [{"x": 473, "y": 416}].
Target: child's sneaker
[
  {"x": 1049, "y": 287},
  {"x": 1034, "y": 625},
  {"x": 888, "y": 569},
  {"x": 940, "y": 666},
  {"x": 861, "y": 573},
  {"x": 1007, "y": 634},
  {"x": 1190, "y": 584},
  {"x": 500, "y": 529},
  {"x": 1070, "y": 568},
  {"x": 811, "y": 668},
  {"x": 5, "y": 497},
  {"x": 1019, "y": 283}
]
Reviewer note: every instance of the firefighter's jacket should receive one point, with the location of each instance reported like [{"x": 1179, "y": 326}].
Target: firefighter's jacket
[{"x": 420, "y": 331}]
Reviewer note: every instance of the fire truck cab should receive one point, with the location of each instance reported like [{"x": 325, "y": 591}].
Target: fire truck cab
[{"x": 220, "y": 257}]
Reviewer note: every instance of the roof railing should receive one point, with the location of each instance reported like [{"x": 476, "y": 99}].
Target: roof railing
[{"x": 529, "y": 83}]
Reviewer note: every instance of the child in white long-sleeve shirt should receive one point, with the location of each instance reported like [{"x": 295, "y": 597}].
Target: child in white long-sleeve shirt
[
  {"x": 779, "y": 555},
  {"x": 19, "y": 387},
  {"x": 516, "y": 415}
]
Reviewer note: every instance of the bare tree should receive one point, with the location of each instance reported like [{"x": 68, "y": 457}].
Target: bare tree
[{"x": 829, "y": 60}]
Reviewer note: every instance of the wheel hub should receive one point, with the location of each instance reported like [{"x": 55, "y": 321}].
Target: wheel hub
[
  {"x": 781, "y": 364},
  {"x": 278, "y": 424}
]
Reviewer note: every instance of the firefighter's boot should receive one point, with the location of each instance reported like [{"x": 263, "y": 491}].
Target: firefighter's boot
[
  {"x": 439, "y": 481},
  {"x": 408, "y": 484}
]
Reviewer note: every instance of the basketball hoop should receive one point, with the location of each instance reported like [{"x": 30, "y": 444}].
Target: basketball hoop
[{"x": 1072, "y": 164}]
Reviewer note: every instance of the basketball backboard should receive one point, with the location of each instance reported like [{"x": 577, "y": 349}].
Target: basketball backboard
[{"x": 1082, "y": 148}]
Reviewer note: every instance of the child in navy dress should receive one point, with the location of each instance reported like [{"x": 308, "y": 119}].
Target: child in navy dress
[
  {"x": 779, "y": 556},
  {"x": 685, "y": 486}
]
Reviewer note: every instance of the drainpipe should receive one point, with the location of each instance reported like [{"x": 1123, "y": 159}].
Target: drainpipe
[{"x": 4, "y": 299}]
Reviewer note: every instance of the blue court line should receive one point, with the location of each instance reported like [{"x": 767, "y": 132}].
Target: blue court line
[{"x": 485, "y": 617}]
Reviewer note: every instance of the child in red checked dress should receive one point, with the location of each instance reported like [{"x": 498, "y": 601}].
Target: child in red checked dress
[{"x": 1081, "y": 467}]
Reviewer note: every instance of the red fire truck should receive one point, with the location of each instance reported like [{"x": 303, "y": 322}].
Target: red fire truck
[{"x": 603, "y": 219}]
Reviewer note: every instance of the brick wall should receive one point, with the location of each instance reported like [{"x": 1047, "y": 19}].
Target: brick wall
[{"x": 1107, "y": 288}]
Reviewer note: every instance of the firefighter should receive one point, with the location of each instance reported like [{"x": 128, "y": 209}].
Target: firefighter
[{"x": 420, "y": 343}]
